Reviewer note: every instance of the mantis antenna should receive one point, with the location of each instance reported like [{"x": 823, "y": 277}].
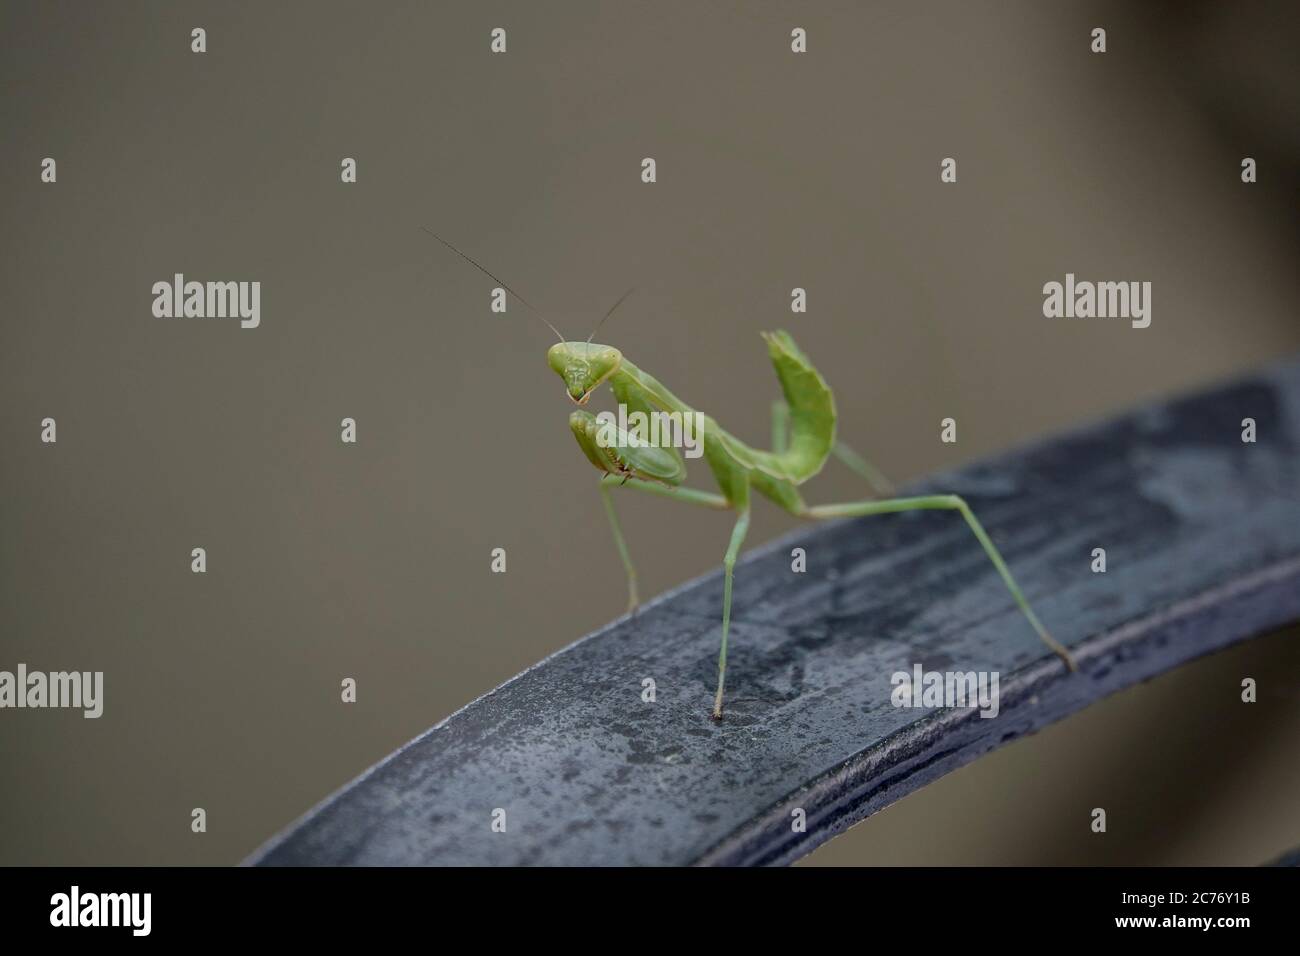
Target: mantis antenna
[
  {"x": 525, "y": 302},
  {"x": 608, "y": 314}
]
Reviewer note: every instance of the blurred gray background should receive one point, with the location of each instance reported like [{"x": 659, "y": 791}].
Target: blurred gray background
[{"x": 775, "y": 170}]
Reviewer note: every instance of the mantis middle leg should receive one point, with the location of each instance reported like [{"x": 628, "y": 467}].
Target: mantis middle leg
[
  {"x": 689, "y": 495},
  {"x": 728, "y": 565}
]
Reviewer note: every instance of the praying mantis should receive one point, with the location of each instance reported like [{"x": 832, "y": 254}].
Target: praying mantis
[{"x": 803, "y": 438}]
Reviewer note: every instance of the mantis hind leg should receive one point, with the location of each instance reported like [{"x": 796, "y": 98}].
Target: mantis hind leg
[
  {"x": 855, "y": 462},
  {"x": 951, "y": 503},
  {"x": 865, "y": 469}
]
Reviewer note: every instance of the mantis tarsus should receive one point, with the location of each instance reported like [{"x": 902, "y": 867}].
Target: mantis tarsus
[{"x": 803, "y": 437}]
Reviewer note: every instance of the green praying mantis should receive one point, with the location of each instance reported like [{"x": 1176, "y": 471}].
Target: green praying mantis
[{"x": 803, "y": 438}]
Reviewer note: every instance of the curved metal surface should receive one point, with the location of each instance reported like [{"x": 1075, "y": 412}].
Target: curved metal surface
[{"x": 1203, "y": 539}]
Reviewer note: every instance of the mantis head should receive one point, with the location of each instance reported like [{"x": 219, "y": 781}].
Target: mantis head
[{"x": 583, "y": 366}]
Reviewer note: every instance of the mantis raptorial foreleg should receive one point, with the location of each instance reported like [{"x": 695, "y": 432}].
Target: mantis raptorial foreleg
[
  {"x": 855, "y": 462},
  {"x": 949, "y": 503}
]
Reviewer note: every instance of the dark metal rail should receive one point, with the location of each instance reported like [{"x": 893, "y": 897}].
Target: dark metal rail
[{"x": 1202, "y": 534}]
